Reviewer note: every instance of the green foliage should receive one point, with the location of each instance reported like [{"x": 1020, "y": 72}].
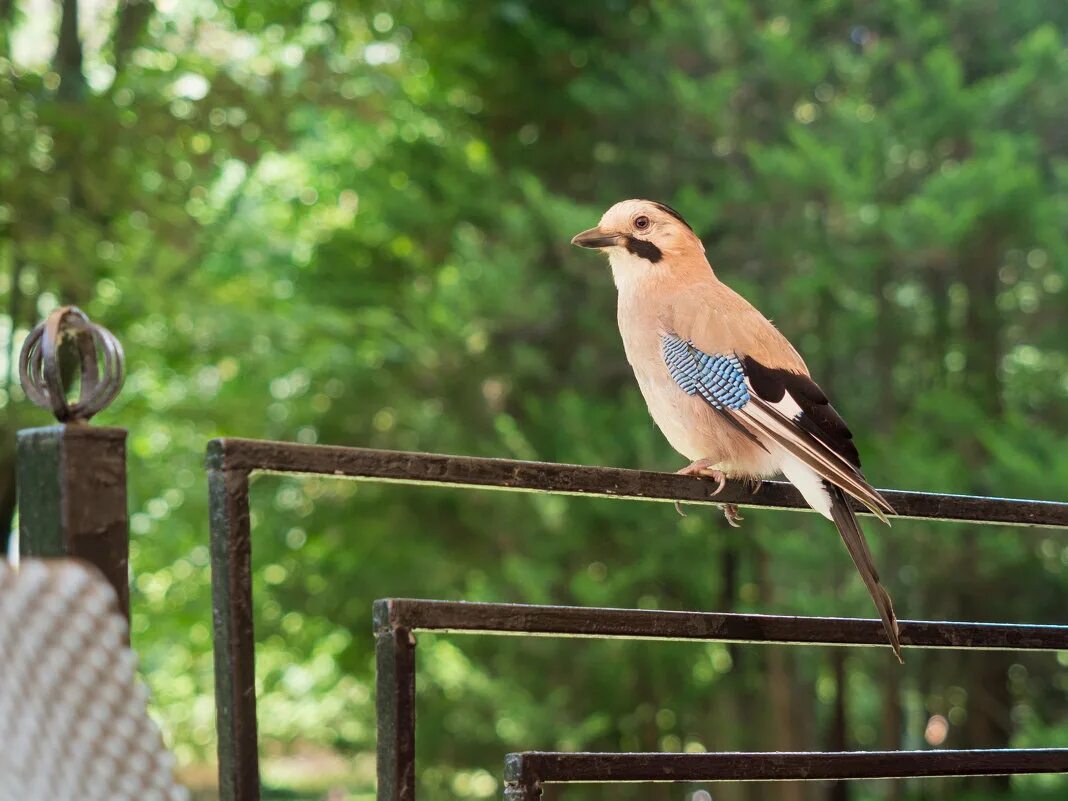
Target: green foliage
[{"x": 348, "y": 223}]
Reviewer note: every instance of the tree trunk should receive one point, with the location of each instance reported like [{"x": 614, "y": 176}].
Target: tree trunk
[
  {"x": 7, "y": 488},
  {"x": 781, "y": 731},
  {"x": 938, "y": 279},
  {"x": 887, "y": 342},
  {"x": 892, "y": 721},
  {"x": 990, "y": 711},
  {"x": 7, "y": 23},
  {"x": 133, "y": 15},
  {"x": 8, "y": 500},
  {"x": 982, "y": 322},
  {"x": 989, "y": 704},
  {"x": 838, "y": 737},
  {"x": 733, "y": 698},
  {"x": 68, "y": 60}
]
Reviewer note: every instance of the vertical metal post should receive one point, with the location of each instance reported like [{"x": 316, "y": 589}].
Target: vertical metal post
[
  {"x": 235, "y": 671},
  {"x": 520, "y": 782},
  {"x": 72, "y": 478},
  {"x": 395, "y": 702},
  {"x": 72, "y": 498}
]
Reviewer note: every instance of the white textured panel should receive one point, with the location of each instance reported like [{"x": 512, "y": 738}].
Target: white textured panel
[{"x": 73, "y": 718}]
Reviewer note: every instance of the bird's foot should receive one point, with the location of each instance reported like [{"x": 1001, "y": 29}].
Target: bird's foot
[
  {"x": 734, "y": 517},
  {"x": 704, "y": 469},
  {"x": 755, "y": 485}
]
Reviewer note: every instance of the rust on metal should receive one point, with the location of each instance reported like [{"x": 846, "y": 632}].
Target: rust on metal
[
  {"x": 395, "y": 711},
  {"x": 39, "y": 368},
  {"x": 71, "y": 477},
  {"x": 72, "y": 498},
  {"x": 231, "y": 461},
  {"x": 609, "y": 482},
  {"x": 529, "y": 770},
  {"x": 232, "y": 619},
  {"x": 465, "y": 617}
]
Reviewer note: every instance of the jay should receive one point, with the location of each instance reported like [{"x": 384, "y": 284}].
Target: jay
[{"x": 725, "y": 387}]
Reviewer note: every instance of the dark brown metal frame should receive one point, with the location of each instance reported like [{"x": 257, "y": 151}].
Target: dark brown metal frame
[
  {"x": 231, "y": 461},
  {"x": 72, "y": 498},
  {"x": 72, "y": 477},
  {"x": 526, "y": 773},
  {"x": 397, "y": 621}
]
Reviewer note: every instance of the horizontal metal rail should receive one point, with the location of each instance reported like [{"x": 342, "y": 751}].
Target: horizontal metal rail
[
  {"x": 250, "y": 455},
  {"x": 398, "y": 619},
  {"x": 464, "y": 617},
  {"x": 525, "y": 772},
  {"x": 231, "y": 461}
]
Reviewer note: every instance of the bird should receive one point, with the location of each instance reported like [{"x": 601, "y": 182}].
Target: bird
[{"x": 724, "y": 385}]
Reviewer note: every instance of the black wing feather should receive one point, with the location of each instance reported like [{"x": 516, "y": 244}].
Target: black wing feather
[{"x": 818, "y": 417}]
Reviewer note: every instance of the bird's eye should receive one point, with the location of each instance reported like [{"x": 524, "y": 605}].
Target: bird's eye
[{"x": 641, "y": 223}]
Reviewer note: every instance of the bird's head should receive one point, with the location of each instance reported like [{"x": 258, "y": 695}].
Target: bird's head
[{"x": 642, "y": 237}]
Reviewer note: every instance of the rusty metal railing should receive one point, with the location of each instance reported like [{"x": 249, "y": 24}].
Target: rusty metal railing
[
  {"x": 231, "y": 461},
  {"x": 526, "y": 773},
  {"x": 397, "y": 621},
  {"x": 72, "y": 476}
]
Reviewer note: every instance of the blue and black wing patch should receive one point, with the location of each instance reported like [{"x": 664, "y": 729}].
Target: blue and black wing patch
[{"x": 720, "y": 380}]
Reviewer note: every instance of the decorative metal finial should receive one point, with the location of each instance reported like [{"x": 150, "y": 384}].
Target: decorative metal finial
[{"x": 39, "y": 370}]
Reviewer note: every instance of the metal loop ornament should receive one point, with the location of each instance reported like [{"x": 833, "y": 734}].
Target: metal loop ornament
[{"x": 39, "y": 370}]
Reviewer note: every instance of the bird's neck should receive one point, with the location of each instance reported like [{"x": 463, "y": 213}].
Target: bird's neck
[{"x": 637, "y": 277}]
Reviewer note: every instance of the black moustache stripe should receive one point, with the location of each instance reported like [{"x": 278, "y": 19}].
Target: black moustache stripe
[{"x": 644, "y": 249}]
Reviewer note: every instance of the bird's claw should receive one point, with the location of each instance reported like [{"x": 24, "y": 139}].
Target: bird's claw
[
  {"x": 734, "y": 518},
  {"x": 703, "y": 468},
  {"x": 719, "y": 477}
]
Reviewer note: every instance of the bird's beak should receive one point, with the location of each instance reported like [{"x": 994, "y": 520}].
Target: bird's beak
[{"x": 596, "y": 238}]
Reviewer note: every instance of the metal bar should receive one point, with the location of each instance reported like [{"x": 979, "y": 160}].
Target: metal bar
[
  {"x": 521, "y": 780},
  {"x": 395, "y": 710},
  {"x": 521, "y": 791},
  {"x": 72, "y": 499},
  {"x": 531, "y": 769},
  {"x": 577, "y": 621},
  {"x": 609, "y": 482},
  {"x": 235, "y": 673},
  {"x": 232, "y": 460}
]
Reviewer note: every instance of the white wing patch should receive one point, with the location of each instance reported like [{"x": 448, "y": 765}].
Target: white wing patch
[{"x": 787, "y": 407}]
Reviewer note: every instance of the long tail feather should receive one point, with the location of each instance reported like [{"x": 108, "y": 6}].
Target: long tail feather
[{"x": 853, "y": 537}]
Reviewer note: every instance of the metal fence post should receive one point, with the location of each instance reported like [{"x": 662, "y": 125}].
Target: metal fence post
[
  {"x": 72, "y": 477},
  {"x": 395, "y": 705},
  {"x": 520, "y": 782},
  {"x": 235, "y": 644}
]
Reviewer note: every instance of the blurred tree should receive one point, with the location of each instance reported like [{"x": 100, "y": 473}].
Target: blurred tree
[{"x": 347, "y": 222}]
